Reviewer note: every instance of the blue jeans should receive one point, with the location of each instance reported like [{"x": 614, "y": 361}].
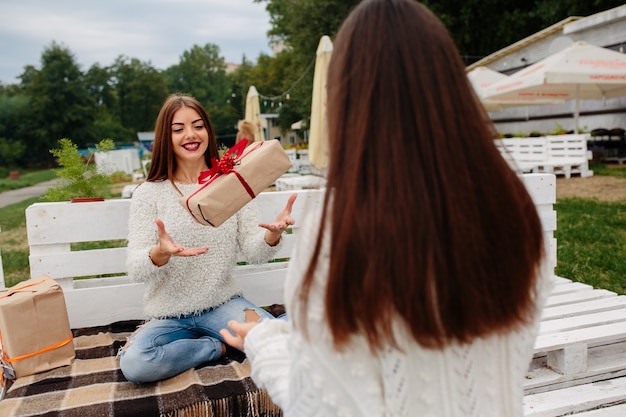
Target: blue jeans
[{"x": 163, "y": 348}]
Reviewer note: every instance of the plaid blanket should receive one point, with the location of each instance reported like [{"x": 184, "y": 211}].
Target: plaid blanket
[{"x": 94, "y": 386}]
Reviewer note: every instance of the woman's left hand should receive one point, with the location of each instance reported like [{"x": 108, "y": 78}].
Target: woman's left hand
[
  {"x": 282, "y": 222},
  {"x": 241, "y": 331}
]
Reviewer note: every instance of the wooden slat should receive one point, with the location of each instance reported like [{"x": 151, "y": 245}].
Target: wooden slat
[
  {"x": 618, "y": 410},
  {"x": 587, "y": 307},
  {"x": 582, "y": 321},
  {"x": 64, "y": 222},
  {"x": 79, "y": 263},
  {"x": 577, "y": 297},
  {"x": 575, "y": 399},
  {"x": 570, "y": 286},
  {"x": 607, "y": 333}
]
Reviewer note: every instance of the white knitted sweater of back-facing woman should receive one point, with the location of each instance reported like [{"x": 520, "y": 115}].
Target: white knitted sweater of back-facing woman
[
  {"x": 189, "y": 285},
  {"x": 310, "y": 378}
]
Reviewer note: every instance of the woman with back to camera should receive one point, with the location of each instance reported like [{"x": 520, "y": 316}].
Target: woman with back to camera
[
  {"x": 416, "y": 290},
  {"x": 187, "y": 267}
]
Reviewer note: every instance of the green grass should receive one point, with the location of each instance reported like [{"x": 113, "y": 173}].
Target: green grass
[
  {"x": 612, "y": 171},
  {"x": 591, "y": 242},
  {"x": 13, "y": 237},
  {"x": 26, "y": 179},
  {"x": 14, "y": 242}
]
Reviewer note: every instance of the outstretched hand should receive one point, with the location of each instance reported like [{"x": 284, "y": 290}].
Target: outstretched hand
[
  {"x": 166, "y": 247},
  {"x": 241, "y": 331},
  {"x": 282, "y": 222}
]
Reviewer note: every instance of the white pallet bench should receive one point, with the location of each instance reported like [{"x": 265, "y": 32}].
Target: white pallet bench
[
  {"x": 555, "y": 154},
  {"x": 580, "y": 353},
  {"x": 52, "y": 228}
]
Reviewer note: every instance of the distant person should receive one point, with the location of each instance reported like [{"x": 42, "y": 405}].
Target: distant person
[
  {"x": 245, "y": 131},
  {"x": 416, "y": 289},
  {"x": 187, "y": 267}
]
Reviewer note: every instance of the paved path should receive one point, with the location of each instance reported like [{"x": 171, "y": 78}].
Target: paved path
[{"x": 15, "y": 196}]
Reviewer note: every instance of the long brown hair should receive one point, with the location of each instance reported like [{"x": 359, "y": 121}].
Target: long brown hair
[
  {"x": 163, "y": 164},
  {"x": 428, "y": 222}
]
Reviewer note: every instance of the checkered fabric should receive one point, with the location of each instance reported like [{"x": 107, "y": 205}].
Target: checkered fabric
[{"x": 94, "y": 386}]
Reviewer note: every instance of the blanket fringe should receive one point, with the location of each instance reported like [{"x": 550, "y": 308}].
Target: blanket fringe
[{"x": 252, "y": 404}]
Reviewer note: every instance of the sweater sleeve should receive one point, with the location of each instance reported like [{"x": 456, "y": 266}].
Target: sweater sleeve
[
  {"x": 266, "y": 346},
  {"x": 142, "y": 236},
  {"x": 251, "y": 237}
]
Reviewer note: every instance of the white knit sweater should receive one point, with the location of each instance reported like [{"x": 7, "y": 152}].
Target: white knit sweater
[
  {"x": 309, "y": 378},
  {"x": 189, "y": 285}
]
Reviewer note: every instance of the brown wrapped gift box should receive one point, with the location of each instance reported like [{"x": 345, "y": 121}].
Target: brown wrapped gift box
[
  {"x": 260, "y": 164},
  {"x": 36, "y": 334}
]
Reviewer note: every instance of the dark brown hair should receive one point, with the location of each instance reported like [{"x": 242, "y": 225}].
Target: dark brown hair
[
  {"x": 163, "y": 164},
  {"x": 428, "y": 222}
]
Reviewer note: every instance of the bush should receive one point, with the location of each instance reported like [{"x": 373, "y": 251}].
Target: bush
[{"x": 79, "y": 179}]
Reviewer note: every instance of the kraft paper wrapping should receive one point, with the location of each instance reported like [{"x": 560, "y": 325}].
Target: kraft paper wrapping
[
  {"x": 36, "y": 335},
  {"x": 223, "y": 195}
]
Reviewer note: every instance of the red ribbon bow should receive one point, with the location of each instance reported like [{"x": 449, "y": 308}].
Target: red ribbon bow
[{"x": 225, "y": 164}]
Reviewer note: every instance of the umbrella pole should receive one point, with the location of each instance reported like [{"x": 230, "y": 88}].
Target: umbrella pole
[{"x": 577, "y": 109}]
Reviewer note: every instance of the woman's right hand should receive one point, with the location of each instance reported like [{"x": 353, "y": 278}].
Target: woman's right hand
[
  {"x": 240, "y": 331},
  {"x": 166, "y": 247}
]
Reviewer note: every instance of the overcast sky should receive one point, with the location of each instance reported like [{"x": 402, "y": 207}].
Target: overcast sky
[{"x": 155, "y": 31}]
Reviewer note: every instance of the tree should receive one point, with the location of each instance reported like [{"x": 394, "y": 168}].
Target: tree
[
  {"x": 101, "y": 88},
  {"x": 201, "y": 72},
  {"x": 504, "y": 23},
  {"x": 239, "y": 82},
  {"x": 478, "y": 27},
  {"x": 59, "y": 103},
  {"x": 13, "y": 123},
  {"x": 140, "y": 90},
  {"x": 286, "y": 86},
  {"x": 100, "y": 84},
  {"x": 301, "y": 23}
]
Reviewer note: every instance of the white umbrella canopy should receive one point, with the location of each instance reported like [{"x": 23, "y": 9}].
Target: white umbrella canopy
[
  {"x": 318, "y": 136},
  {"x": 253, "y": 113},
  {"x": 581, "y": 71},
  {"x": 483, "y": 77}
]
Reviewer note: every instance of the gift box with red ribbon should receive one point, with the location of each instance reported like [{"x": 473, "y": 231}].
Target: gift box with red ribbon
[
  {"x": 233, "y": 181},
  {"x": 34, "y": 328}
]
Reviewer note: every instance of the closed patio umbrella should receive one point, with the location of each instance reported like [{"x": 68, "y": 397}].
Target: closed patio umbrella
[
  {"x": 318, "y": 136},
  {"x": 253, "y": 113}
]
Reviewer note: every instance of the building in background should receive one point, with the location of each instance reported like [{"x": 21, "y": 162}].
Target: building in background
[{"x": 606, "y": 29}]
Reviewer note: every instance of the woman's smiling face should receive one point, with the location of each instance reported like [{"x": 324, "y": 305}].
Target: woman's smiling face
[{"x": 190, "y": 138}]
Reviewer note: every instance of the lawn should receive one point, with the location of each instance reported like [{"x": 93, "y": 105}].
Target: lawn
[
  {"x": 13, "y": 238},
  {"x": 26, "y": 179},
  {"x": 591, "y": 240}
]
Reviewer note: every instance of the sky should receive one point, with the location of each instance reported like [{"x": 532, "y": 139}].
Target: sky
[{"x": 154, "y": 31}]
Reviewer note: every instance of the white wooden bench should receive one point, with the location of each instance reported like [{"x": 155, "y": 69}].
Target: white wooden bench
[
  {"x": 557, "y": 154},
  {"x": 53, "y": 228},
  {"x": 568, "y": 154},
  {"x": 582, "y": 340},
  {"x": 527, "y": 155}
]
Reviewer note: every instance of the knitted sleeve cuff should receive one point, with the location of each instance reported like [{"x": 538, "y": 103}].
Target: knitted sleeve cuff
[{"x": 266, "y": 346}]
